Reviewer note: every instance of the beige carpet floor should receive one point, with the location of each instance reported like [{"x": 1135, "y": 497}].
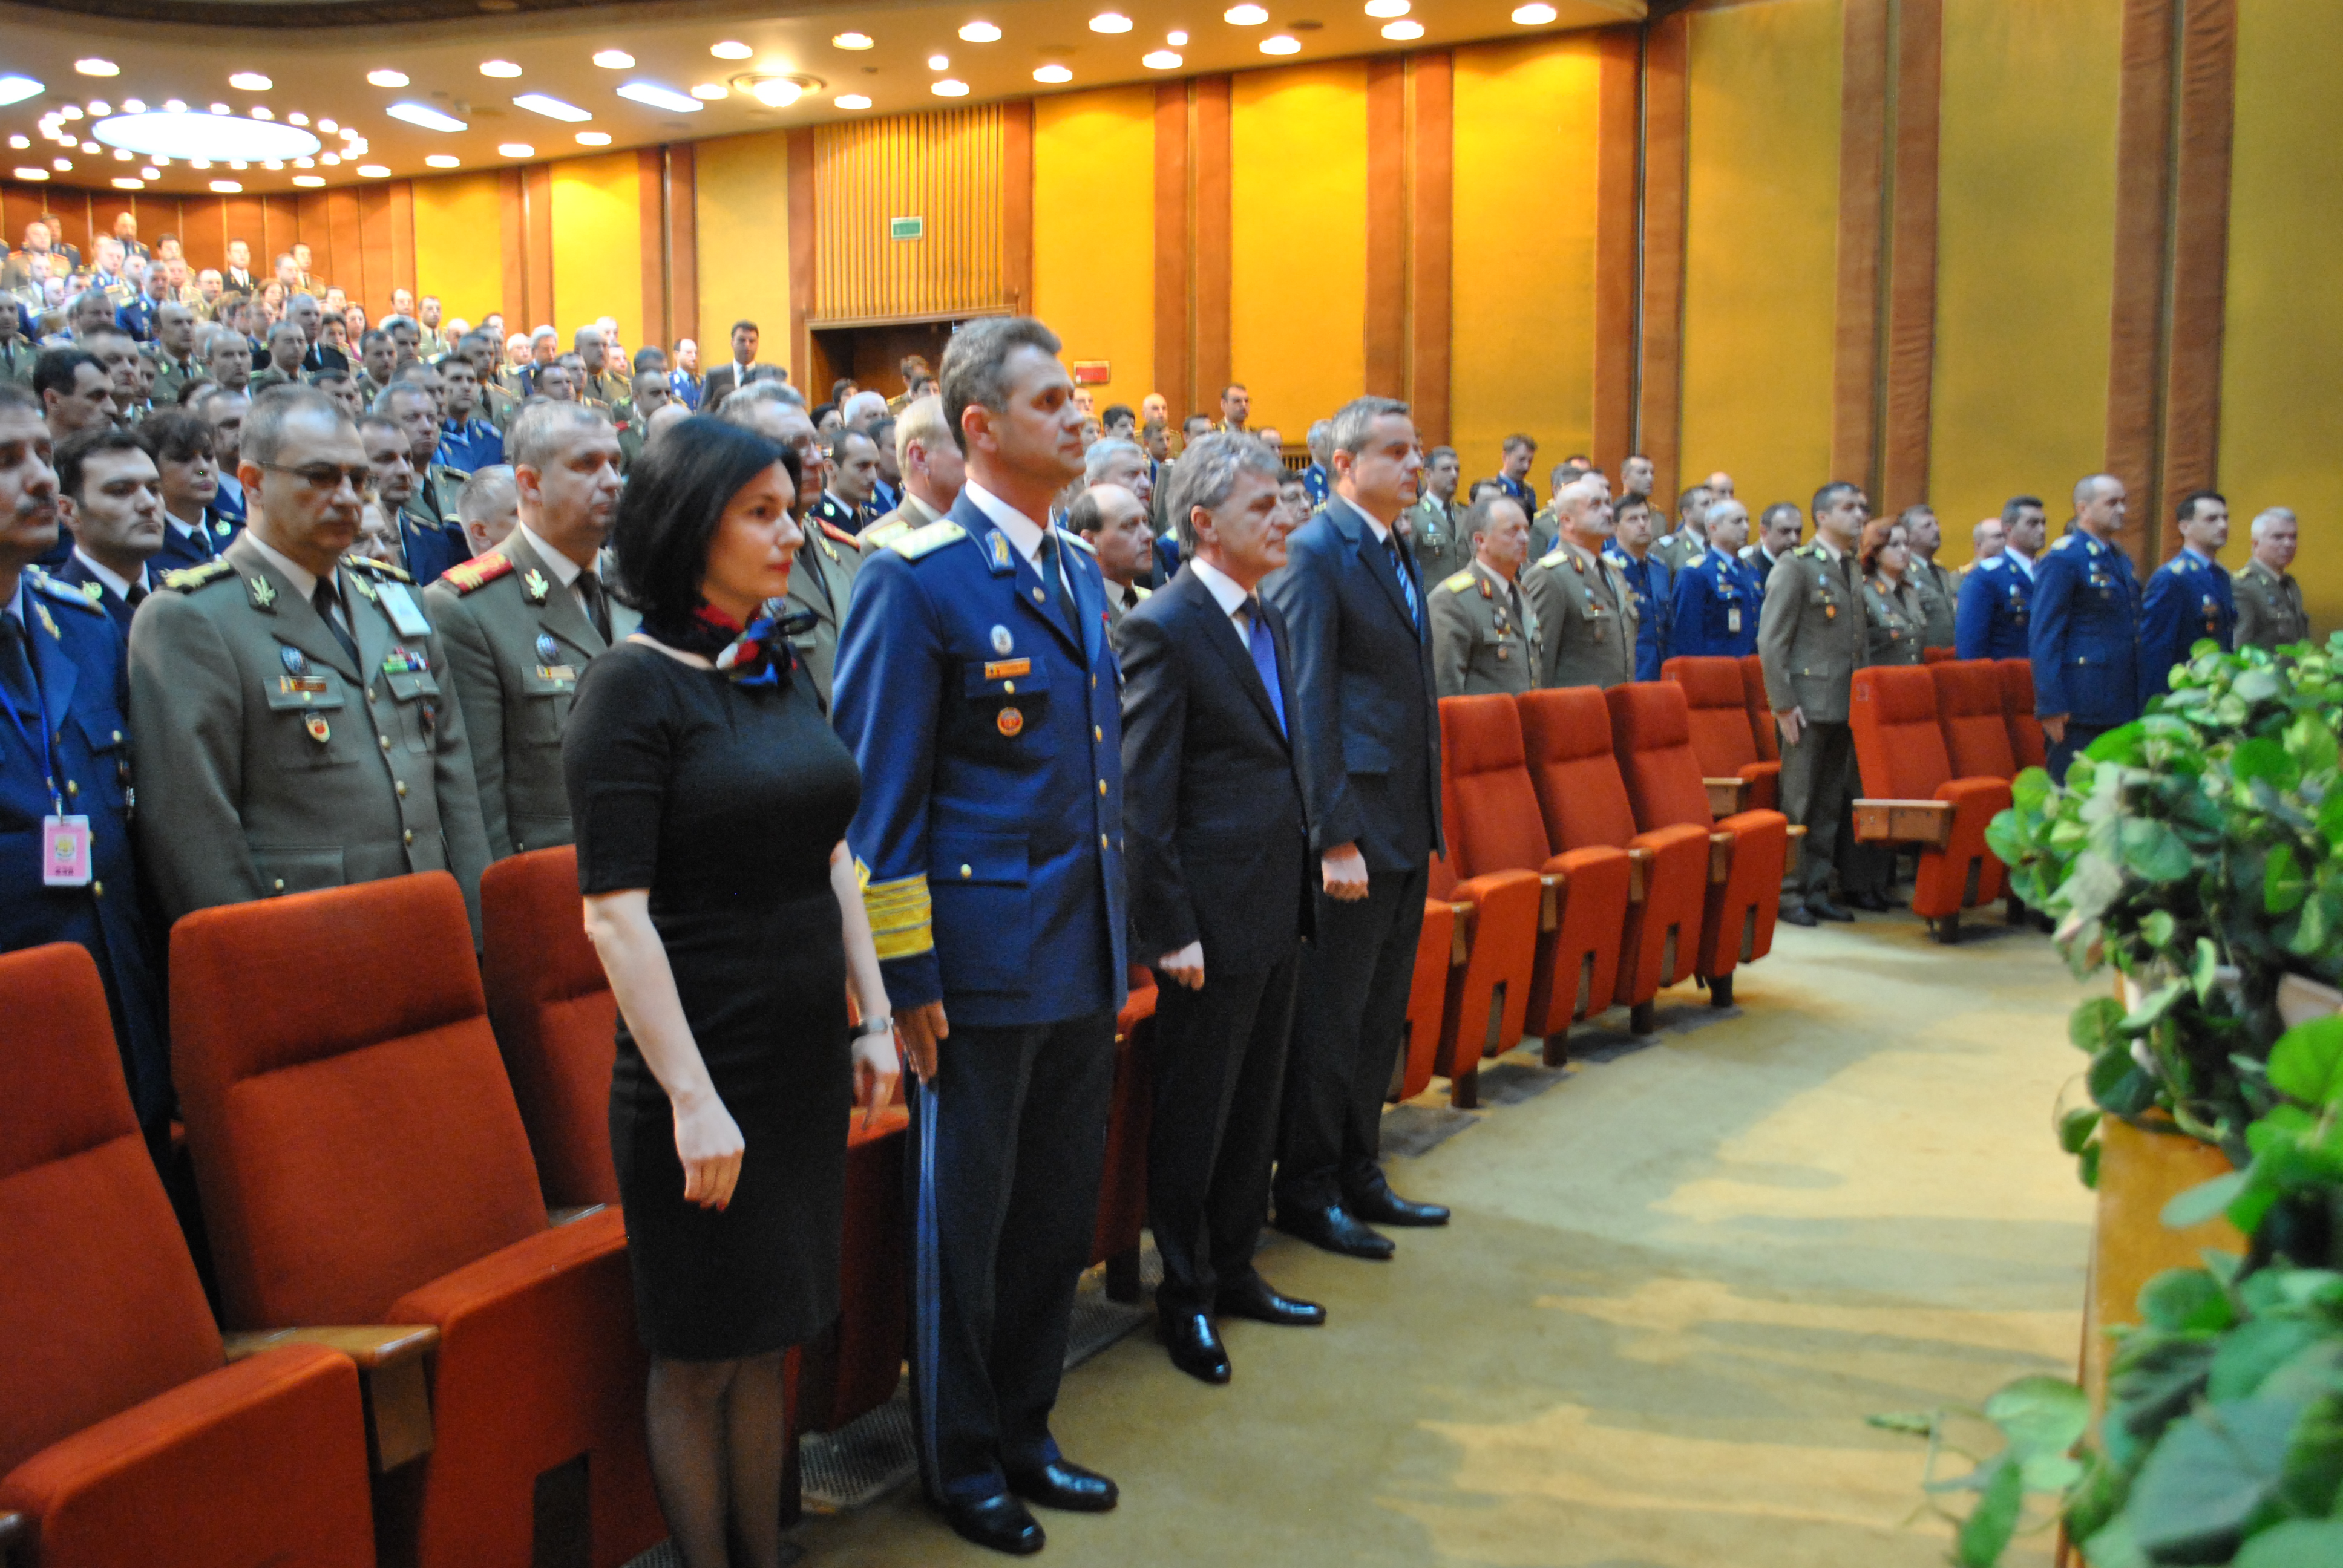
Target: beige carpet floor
[{"x": 1676, "y": 1284}]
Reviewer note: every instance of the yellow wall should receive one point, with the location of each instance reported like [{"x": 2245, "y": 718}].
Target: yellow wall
[
  {"x": 457, "y": 255},
  {"x": 598, "y": 246},
  {"x": 2282, "y": 347},
  {"x": 1761, "y": 246},
  {"x": 1521, "y": 348},
  {"x": 740, "y": 187},
  {"x": 1298, "y": 241},
  {"x": 2024, "y": 255},
  {"x": 1094, "y": 232}
]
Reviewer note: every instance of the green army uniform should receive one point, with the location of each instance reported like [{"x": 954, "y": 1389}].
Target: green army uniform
[
  {"x": 2270, "y": 607},
  {"x": 1436, "y": 530},
  {"x": 516, "y": 642},
  {"x": 17, "y": 360},
  {"x": 271, "y": 761},
  {"x": 822, "y": 586},
  {"x": 1677, "y": 547},
  {"x": 1894, "y": 622},
  {"x": 1587, "y": 614},
  {"x": 1545, "y": 532},
  {"x": 368, "y": 387},
  {"x": 1940, "y": 598},
  {"x": 171, "y": 376},
  {"x": 606, "y": 387},
  {"x": 1484, "y": 636},
  {"x": 513, "y": 384},
  {"x": 436, "y": 490},
  {"x": 912, "y": 513},
  {"x": 630, "y": 445},
  {"x": 497, "y": 406},
  {"x": 262, "y": 380},
  {"x": 1811, "y": 637}
]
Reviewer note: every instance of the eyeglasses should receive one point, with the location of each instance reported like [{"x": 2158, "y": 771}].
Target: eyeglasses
[{"x": 327, "y": 477}]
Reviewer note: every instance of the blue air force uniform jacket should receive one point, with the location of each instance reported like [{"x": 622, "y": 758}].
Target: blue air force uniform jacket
[
  {"x": 194, "y": 546},
  {"x": 2188, "y": 598},
  {"x": 989, "y": 833},
  {"x": 1717, "y": 599},
  {"x": 77, "y": 654},
  {"x": 2085, "y": 640},
  {"x": 1656, "y": 607},
  {"x": 1992, "y": 617}
]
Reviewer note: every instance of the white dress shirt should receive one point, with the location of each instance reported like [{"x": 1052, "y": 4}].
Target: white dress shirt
[
  {"x": 1024, "y": 535},
  {"x": 120, "y": 586},
  {"x": 564, "y": 571},
  {"x": 1228, "y": 593}
]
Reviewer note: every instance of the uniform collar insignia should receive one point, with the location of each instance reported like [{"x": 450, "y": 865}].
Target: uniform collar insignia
[
  {"x": 1000, "y": 551},
  {"x": 264, "y": 593},
  {"x": 533, "y": 584}
]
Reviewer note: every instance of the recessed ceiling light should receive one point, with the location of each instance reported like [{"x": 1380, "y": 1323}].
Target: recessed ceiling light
[
  {"x": 1245, "y": 16},
  {"x": 61, "y": 164},
  {"x": 425, "y": 115},
  {"x": 387, "y": 78},
  {"x": 309, "y": 182},
  {"x": 853, "y": 41},
  {"x": 261, "y": 112},
  {"x": 151, "y": 172},
  {"x": 327, "y": 127},
  {"x": 70, "y": 112},
  {"x": 1387, "y": 7},
  {"x": 615, "y": 60},
  {"x": 250, "y": 82},
  {"x": 552, "y": 108},
  {"x": 275, "y": 166},
  {"x": 948, "y": 88},
  {"x": 515, "y": 150},
  {"x": 938, "y": 62},
  {"x": 1175, "y": 39},
  {"x": 980, "y": 33},
  {"x": 730, "y": 49},
  {"x": 1534, "y": 16},
  {"x": 240, "y": 165},
  {"x": 91, "y": 65},
  {"x": 593, "y": 138},
  {"x": 498, "y": 68},
  {"x": 1281, "y": 44},
  {"x": 1403, "y": 31},
  {"x": 129, "y": 184},
  {"x": 373, "y": 171},
  {"x": 709, "y": 92},
  {"x": 122, "y": 155},
  {"x": 1052, "y": 74},
  {"x": 659, "y": 97},
  {"x": 851, "y": 101},
  {"x": 29, "y": 173},
  {"x": 90, "y": 148},
  {"x": 1110, "y": 22},
  {"x": 174, "y": 107},
  {"x": 99, "y": 108},
  {"x": 297, "y": 118},
  {"x": 444, "y": 161},
  {"x": 1160, "y": 60},
  {"x": 15, "y": 89},
  {"x": 330, "y": 159},
  {"x": 227, "y": 187},
  {"x": 20, "y": 142},
  {"x": 778, "y": 92},
  {"x": 222, "y": 109},
  {"x": 204, "y": 137}
]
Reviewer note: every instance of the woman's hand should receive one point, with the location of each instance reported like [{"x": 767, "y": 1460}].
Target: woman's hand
[
  {"x": 876, "y": 1068},
  {"x": 709, "y": 1143}
]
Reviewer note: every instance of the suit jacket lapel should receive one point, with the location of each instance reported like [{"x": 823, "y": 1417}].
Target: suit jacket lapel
[
  {"x": 1374, "y": 556},
  {"x": 1221, "y": 633},
  {"x": 295, "y": 619},
  {"x": 1024, "y": 580},
  {"x": 370, "y": 627}
]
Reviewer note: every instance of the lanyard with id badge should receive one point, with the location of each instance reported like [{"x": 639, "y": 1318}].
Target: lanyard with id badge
[{"x": 65, "y": 840}]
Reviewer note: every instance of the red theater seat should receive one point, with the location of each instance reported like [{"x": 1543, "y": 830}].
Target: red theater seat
[
  {"x": 556, "y": 1020},
  {"x": 1937, "y": 656},
  {"x": 1969, "y": 711},
  {"x": 1123, "y": 1182},
  {"x": 1652, "y": 738},
  {"x": 1438, "y": 958},
  {"x": 2025, "y": 741},
  {"x": 1911, "y": 797},
  {"x": 1567, "y": 732},
  {"x": 1767, "y": 740},
  {"x": 1723, "y": 737},
  {"x": 362, "y": 1161},
  {"x": 126, "y": 1435}
]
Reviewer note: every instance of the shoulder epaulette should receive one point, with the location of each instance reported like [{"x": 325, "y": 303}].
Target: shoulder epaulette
[
  {"x": 839, "y": 534},
  {"x": 481, "y": 571},
  {"x": 452, "y": 472},
  {"x": 2183, "y": 562},
  {"x": 188, "y": 579},
  {"x": 1692, "y": 561},
  {"x": 1553, "y": 558},
  {"x": 1811, "y": 552},
  {"x": 927, "y": 540},
  {"x": 1079, "y": 542},
  {"x": 885, "y": 534},
  {"x": 81, "y": 596},
  {"x": 1143, "y": 591},
  {"x": 1993, "y": 563},
  {"x": 2064, "y": 540},
  {"x": 1458, "y": 583},
  {"x": 373, "y": 567}
]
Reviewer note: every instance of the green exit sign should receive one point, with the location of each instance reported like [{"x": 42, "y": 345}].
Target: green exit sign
[{"x": 907, "y": 227}]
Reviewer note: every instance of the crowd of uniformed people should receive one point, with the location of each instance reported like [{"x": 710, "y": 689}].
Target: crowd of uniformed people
[{"x": 1030, "y": 700}]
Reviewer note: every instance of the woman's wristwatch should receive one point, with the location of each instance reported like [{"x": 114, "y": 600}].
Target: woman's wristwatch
[{"x": 881, "y": 1025}]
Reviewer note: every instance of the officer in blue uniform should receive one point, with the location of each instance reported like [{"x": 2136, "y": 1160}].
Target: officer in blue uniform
[
  {"x": 2085, "y": 642},
  {"x": 1994, "y": 616},
  {"x": 1317, "y": 480},
  {"x": 978, "y": 688},
  {"x": 1630, "y": 550},
  {"x": 1717, "y": 594},
  {"x": 2189, "y": 597},
  {"x": 66, "y": 870}
]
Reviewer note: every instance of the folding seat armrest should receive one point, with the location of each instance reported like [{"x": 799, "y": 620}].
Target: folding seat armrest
[
  {"x": 1928, "y": 823},
  {"x": 1720, "y": 858},
  {"x": 1554, "y": 890},
  {"x": 571, "y": 1215},
  {"x": 1727, "y": 796},
  {"x": 1639, "y": 870},
  {"x": 1796, "y": 830},
  {"x": 392, "y": 1361},
  {"x": 1460, "y": 945}
]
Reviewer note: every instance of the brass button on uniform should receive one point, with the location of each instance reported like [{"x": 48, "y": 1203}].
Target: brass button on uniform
[
  {"x": 1009, "y": 687},
  {"x": 1096, "y": 733},
  {"x": 409, "y": 836},
  {"x": 385, "y": 739},
  {"x": 1101, "y": 786},
  {"x": 965, "y": 873},
  {"x": 280, "y": 885},
  {"x": 72, "y": 788},
  {"x": 97, "y": 890},
  {"x": 402, "y": 788},
  {"x": 1102, "y": 840}
]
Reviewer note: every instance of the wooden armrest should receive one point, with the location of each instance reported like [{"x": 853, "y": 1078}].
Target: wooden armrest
[
  {"x": 556, "y": 1218},
  {"x": 1928, "y": 823},
  {"x": 1726, "y": 796},
  {"x": 1553, "y": 887},
  {"x": 13, "y": 1529},
  {"x": 1639, "y": 873},
  {"x": 1797, "y": 831},
  {"x": 1460, "y": 943},
  {"x": 1720, "y": 858},
  {"x": 392, "y": 1361}
]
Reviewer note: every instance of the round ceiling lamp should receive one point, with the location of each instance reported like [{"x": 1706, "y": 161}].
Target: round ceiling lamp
[
  {"x": 219, "y": 136},
  {"x": 730, "y": 49},
  {"x": 776, "y": 90}
]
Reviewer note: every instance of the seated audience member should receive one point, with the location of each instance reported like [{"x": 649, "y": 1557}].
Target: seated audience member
[
  {"x": 652, "y": 394},
  {"x": 1987, "y": 540},
  {"x": 110, "y": 495},
  {"x": 666, "y": 417},
  {"x": 425, "y": 550},
  {"x": 488, "y": 505},
  {"x": 2270, "y": 601},
  {"x": 175, "y": 361},
  {"x": 845, "y": 504},
  {"x": 554, "y": 383},
  {"x": 76, "y": 392},
  {"x": 1485, "y": 632},
  {"x": 467, "y": 442},
  {"x": 342, "y": 388},
  {"x": 226, "y": 360},
  {"x": 1779, "y": 529},
  {"x": 187, "y": 463},
  {"x": 1120, "y": 462},
  {"x": 1112, "y": 522},
  {"x": 1517, "y": 454},
  {"x": 1997, "y": 603},
  {"x": 1719, "y": 486},
  {"x": 1690, "y": 536},
  {"x": 378, "y": 537},
  {"x": 1119, "y": 421}
]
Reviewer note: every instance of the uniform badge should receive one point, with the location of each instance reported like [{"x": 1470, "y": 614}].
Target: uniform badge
[
  {"x": 547, "y": 649},
  {"x": 319, "y": 730},
  {"x": 264, "y": 592},
  {"x": 295, "y": 661},
  {"x": 93, "y": 592},
  {"x": 1001, "y": 554},
  {"x": 1011, "y": 722},
  {"x": 222, "y": 529},
  {"x": 533, "y": 584},
  {"x": 1001, "y": 641},
  {"x": 403, "y": 662},
  {"x": 47, "y": 625}
]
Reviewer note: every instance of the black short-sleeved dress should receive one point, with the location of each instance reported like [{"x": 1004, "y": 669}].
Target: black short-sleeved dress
[{"x": 725, "y": 800}]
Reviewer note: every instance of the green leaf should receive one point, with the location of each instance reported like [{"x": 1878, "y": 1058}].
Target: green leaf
[
  {"x": 1985, "y": 1534},
  {"x": 2255, "y": 1349},
  {"x": 2158, "y": 929},
  {"x": 2310, "y": 937},
  {"x": 2119, "y": 746},
  {"x": 2030, "y": 789},
  {"x": 2114, "y": 1547},
  {"x": 2154, "y": 1006},
  {"x": 2206, "y": 1480},
  {"x": 2260, "y": 684},
  {"x": 2094, "y": 1025},
  {"x": 2119, "y": 1084},
  {"x": 2284, "y": 887},
  {"x": 2307, "y": 1062},
  {"x": 2075, "y": 1130},
  {"x": 2201, "y": 973},
  {"x": 2264, "y": 760},
  {"x": 2039, "y": 1414},
  {"x": 2154, "y": 853},
  {"x": 2297, "y": 1543},
  {"x": 2186, "y": 1301},
  {"x": 2087, "y": 1167},
  {"x": 2331, "y": 817},
  {"x": 2310, "y": 741},
  {"x": 2206, "y": 1200}
]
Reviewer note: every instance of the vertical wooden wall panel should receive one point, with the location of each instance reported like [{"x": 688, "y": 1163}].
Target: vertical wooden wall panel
[
  {"x": 1209, "y": 159},
  {"x": 1863, "y": 183},
  {"x": 1431, "y": 280},
  {"x": 536, "y": 213},
  {"x": 804, "y": 254},
  {"x": 1174, "y": 246},
  {"x": 1017, "y": 205},
  {"x": 1912, "y": 258},
  {"x": 682, "y": 246},
  {"x": 1659, "y": 415},
  {"x": 1094, "y": 240},
  {"x": 512, "y": 261},
  {"x": 650, "y": 204},
  {"x": 1618, "y": 154},
  {"x": 402, "y": 236},
  {"x": 2143, "y": 193},
  {"x": 946, "y": 168},
  {"x": 1387, "y": 226},
  {"x": 2200, "y": 220}
]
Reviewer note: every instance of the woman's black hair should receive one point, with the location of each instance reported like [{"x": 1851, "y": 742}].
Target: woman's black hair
[{"x": 674, "y": 499}]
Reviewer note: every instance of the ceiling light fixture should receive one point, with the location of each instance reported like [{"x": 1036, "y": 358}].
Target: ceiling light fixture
[
  {"x": 1402, "y": 32},
  {"x": 222, "y": 109},
  {"x": 373, "y": 171},
  {"x": 309, "y": 182},
  {"x": 261, "y": 112},
  {"x": 552, "y": 108},
  {"x": 250, "y": 82},
  {"x": 297, "y": 117},
  {"x": 593, "y": 138},
  {"x": 28, "y": 173},
  {"x": 444, "y": 161},
  {"x": 515, "y": 150},
  {"x": 20, "y": 142},
  {"x": 425, "y": 115},
  {"x": 938, "y": 62},
  {"x": 126, "y": 184},
  {"x": 657, "y": 98},
  {"x": 851, "y": 101},
  {"x": 711, "y": 92},
  {"x": 1177, "y": 40},
  {"x": 1281, "y": 44},
  {"x": 776, "y": 92},
  {"x": 1160, "y": 60},
  {"x": 615, "y": 60},
  {"x": 330, "y": 159},
  {"x": 204, "y": 137},
  {"x": 498, "y": 68},
  {"x": 91, "y": 65},
  {"x": 240, "y": 165},
  {"x": 980, "y": 33},
  {"x": 1110, "y": 22},
  {"x": 90, "y": 148},
  {"x": 133, "y": 107},
  {"x": 1245, "y": 16},
  {"x": 327, "y": 127},
  {"x": 61, "y": 164},
  {"x": 853, "y": 41},
  {"x": 948, "y": 88},
  {"x": 15, "y": 89},
  {"x": 1387, "y": 8},
  {"x": 122, "y": 155},
  {"x": 1534, "y": 16},
  {"x": 1052, "y": 74},
  {"x": 151, "y": 171},
  {"x": 70, "y": 112},
  {"x": 227, "y": 187},
  {"x": 99, "y": 108},
  {"x": 387, "y": 78},
  {"x": 730, "y": 49},
  {"x": 173, "y": 106},
  {"x": 275, "y": 166}
]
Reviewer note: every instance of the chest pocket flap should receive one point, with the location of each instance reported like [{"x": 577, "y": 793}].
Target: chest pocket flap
[
  {"x": 320, "y": 689},
  {"x": 1013, "y": 676},
  {"x": 409, "y": 685}
]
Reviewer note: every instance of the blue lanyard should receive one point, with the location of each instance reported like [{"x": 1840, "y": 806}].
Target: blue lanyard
[{"x": 43, "y": 750}]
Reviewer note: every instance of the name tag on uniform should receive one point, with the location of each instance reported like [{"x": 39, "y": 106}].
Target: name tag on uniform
[
  {"x": 405, "y": 613},
  {"x": 557, "y": 672},
  {"x": 1007, "y": 668},
  {"x": 65, "y": 851},
  {"x": 1733, "y": 619}
]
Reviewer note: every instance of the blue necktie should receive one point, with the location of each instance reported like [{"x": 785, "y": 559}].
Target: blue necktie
[
  {"x": 1264, "y": 648},
  {"x": 1406, "y": 583}
]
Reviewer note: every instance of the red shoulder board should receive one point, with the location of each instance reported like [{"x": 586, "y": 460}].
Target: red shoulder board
[
  {"x": 480, "y": 570},
  {"x": 840, "y": 535}
]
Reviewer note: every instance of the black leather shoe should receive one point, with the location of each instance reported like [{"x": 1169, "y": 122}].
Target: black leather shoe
[
  {"x": 1256, "y": 1299},
  {"x": 1870, "y": 903},
  {"x": 1384, "y": 1207},
  {"x": 1336, "y": 1231},
  {"x": 1797, "y": 914},
  {"x": 1065, "y": 1486},
  {"x": 999, "y": 1523},
  {"x": 1195, "y": 1345},
  {"x": 1825, "y": 909}
]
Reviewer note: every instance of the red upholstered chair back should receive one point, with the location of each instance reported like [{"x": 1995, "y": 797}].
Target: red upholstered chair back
[
  {"x": 1898, "y": 747},
  {"x": 353, "y": 1131},
  {"x": 1651, "y": 735},
  {"x": 1969, "y": 711},
  {"x": 1716, "y": 713},
  {"x": 1760, "y": 712},
  {"x": 1490, "y": 811},
  {"x": 1567, "y": 733},
  {"x": 1937, "y": 656},
  {"x": 556, "y": 1019},
  {"x": 99, "y": 1305},
  {"x": 2017, "y": 712}
]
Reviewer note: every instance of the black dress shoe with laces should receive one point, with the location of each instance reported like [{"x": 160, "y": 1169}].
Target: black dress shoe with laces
[
  {"x": 999, "y": 1523},
  {"x": 1824, "y": 909},
  {"x": 1195, "y": 1345},
  {"x": 1063, "y": 1484},
  {"x": 1797, "y": 914},
  {"x": 1256, "y": 1299},
  {"x": 1335, "y": 1230},
  {"x": 1384, "y": 1207}
]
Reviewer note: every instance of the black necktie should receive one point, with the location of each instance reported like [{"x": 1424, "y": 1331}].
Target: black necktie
[
  {"x": 138, "y": 594},
  {"x": 16, "y": 668},
  {"x": 328, "y": 602},
  {"x": 598, "y": 603},
  {"x": 1057, "y": 583}
]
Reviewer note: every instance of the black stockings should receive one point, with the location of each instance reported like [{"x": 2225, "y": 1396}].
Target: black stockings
[{"x": 717, "y": 1434}]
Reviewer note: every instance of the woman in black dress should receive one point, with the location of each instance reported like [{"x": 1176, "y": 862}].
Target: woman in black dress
[{"x": 712, "y": 800}]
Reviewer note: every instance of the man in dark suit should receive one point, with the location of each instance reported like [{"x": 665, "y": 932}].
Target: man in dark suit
[
  {"x": 732, "y": 377},
  {"x": 1219, "y": 860},
  {"x": 109, "y": 492},
  {"x": 1368, "y": 735}
]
